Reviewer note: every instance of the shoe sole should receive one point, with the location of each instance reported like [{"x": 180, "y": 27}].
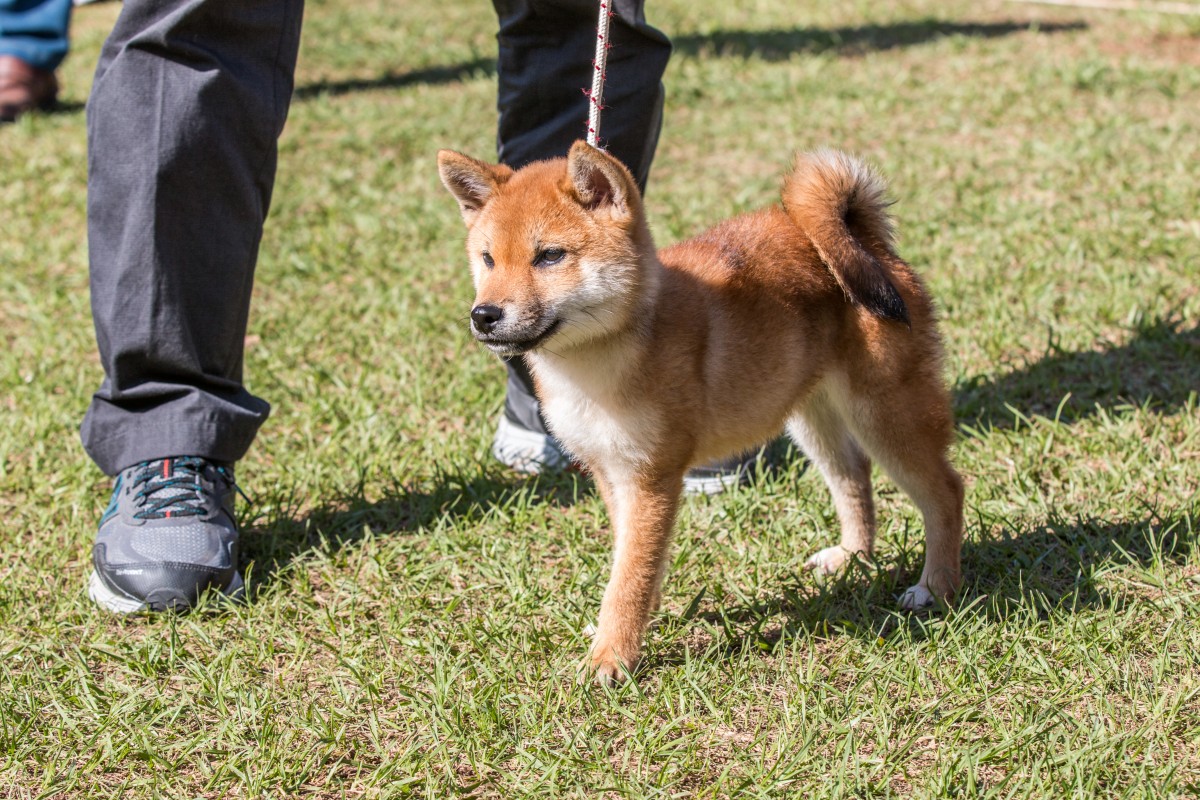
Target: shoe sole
[
  {"x": 714, "y": 484},
  {"x": 123, "y": 604},
  {"x": 710, "y": 482}
]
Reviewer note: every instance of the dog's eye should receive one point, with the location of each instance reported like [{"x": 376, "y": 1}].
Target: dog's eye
[
  {"x": 550, "y": 256},
  {"x": 488, "y": 260}
]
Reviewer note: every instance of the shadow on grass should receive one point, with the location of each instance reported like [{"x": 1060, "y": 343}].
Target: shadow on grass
[
  {"x": 1058, "y": 566},
  {"x": 430, "y": 76},
  {"x": 780, "y": 44},
  {"x": 1061, "y": 563},
  {"x": 769, "y": 45},
  {"x": 284, "y": 535},
  {"x": 66, "y": 107},
  {"x": 62, "y": 108},
  {"x": 1158, "y": 368}
]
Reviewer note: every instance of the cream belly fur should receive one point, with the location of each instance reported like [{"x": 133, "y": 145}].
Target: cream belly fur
[{"x": 801, "y": 316}]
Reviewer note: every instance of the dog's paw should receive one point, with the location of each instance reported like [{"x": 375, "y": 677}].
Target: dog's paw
[
  {"x": 605, "y": 667},
  {"x": 916, "y": 598},
  {"x": 608, "y": 673},
  {"x": 828, "y": 561}
]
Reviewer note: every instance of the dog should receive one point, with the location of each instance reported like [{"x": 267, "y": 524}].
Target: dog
[{"x": 799, "y": 317}]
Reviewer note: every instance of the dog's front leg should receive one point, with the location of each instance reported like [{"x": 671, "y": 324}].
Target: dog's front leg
[{"x": 643, "y": 515}]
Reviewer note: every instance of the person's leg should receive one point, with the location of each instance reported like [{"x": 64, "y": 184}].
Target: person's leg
[
  {"x": 188, "y": 102},
  {"x": 546, "y": 52},
  {"x": 33, "y": 42},
  {"x": 189, "y": 99}
]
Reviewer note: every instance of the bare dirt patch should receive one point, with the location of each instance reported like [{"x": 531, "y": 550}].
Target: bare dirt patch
[{"x": 1162, "y": 48}]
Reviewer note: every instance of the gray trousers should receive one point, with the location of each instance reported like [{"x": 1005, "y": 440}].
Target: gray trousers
[{"x": 189, "y": 100}]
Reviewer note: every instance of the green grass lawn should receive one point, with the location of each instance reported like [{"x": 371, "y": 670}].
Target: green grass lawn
[{"x": 416, "y": 610}]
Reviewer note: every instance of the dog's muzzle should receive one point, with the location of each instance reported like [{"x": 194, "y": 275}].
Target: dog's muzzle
[{"x": 488, "y": 325}]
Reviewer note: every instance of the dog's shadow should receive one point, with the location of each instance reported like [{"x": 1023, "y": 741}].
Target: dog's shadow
[
  {"x": 1159, "y": 368},
  {"x": 1036, "y": 570},
  {"x": 1060, "y": 565}
]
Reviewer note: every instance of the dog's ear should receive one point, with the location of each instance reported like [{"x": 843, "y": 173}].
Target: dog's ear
[
  {"x": 472, "y": 182},
  {"x": 599, "y": 181}
]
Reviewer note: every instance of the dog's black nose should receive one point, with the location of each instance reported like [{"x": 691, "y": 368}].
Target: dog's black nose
[{"x": 485, "y": 317}]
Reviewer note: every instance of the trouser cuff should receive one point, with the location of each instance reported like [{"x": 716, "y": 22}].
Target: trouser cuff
[{"x": 520, "y": 403}]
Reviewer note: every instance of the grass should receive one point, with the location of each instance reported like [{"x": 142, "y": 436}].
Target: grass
[{"x": 415, "y": 613}]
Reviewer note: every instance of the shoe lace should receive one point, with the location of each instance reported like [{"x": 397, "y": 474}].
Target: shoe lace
[{"x": 171, "y": 487}]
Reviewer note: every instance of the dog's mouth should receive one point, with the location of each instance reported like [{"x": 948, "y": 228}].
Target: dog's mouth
[{"x": 515, "y": 347}]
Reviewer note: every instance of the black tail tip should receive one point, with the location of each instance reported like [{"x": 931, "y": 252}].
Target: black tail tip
[{"x": 886, "y": 303}]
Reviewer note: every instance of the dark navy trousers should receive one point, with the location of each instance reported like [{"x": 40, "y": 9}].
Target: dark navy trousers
[{"x": 188, "y": 103}]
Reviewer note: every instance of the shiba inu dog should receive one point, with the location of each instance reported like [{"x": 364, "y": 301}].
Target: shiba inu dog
[{"x": 800, "y": 317}]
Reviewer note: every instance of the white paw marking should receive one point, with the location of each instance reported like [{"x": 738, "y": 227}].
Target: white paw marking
[
  {"x": 589, "y": 631},
  {"x": 916, "y": 597},
  {"x": 828, "y": 561}
]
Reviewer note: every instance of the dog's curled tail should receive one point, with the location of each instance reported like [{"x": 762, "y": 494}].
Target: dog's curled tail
[{"x": 839, "y": 202}]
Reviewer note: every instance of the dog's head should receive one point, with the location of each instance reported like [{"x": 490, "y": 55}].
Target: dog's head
[{"x": 556, "y": 248}]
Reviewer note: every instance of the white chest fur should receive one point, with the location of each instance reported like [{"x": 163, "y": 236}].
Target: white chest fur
[{"x": 591, "y": 416}]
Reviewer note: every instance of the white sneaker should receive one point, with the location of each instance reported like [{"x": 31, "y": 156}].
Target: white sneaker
[
  {"x": 531, "y": 452},
  {"x": 525, "y": 450},
  {"x": 718, "y": 476}
]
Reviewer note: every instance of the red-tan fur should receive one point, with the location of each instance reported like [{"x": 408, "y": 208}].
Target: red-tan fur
[{"x": 711, "y": 347}]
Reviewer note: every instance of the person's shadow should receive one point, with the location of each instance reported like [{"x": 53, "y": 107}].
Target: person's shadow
[
  {"x": 274, "y": 539},
  {"x": 779, "y": 44},
  {"x": 773, "y": 44}
]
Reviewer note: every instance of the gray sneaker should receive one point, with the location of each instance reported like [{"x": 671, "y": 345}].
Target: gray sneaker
[{"x": 167, "y": 535}]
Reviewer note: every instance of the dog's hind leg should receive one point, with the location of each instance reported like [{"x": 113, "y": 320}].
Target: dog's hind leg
[
  {"x": 822, "y": 434},
  {"x": 907, "y": 432}
]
